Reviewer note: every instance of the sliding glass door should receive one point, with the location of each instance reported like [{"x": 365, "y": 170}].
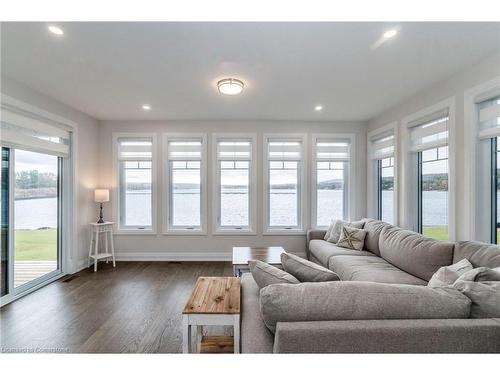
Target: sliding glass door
[
  {"x": 36, "y": 216},
  {"x": 30, "y": 219}
]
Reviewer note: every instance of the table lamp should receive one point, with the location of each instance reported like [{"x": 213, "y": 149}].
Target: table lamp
[{"x": 101, "y": 196}]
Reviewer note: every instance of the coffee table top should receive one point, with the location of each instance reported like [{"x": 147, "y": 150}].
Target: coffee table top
[
  {"x": 271, "y": 255},
  {"x": 214, "y": 295}
]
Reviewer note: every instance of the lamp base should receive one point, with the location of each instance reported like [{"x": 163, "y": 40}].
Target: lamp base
[{"x": 101, "y": 220}]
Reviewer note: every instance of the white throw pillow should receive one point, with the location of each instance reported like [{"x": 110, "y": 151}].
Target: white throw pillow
[
  {"x": 446, "y": 276},
  {"x": 337, "y": 226},
  {"x": 329, "y": 230}
]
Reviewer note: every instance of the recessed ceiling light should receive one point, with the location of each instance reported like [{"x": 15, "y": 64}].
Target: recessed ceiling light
[
  {"x": 230, "y": 86},
  {"x": 390, "y": 33},
  {"x": 146, "y": 107},
  {"x": 55, "y": 30},
  {"x": 318, "y": 108}
]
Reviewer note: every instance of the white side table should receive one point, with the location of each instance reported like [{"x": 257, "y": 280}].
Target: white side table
[{"x": 107, "y": 229}]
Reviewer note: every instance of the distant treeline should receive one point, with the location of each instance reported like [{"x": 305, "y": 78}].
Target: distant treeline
[
  {"x": 34, "y": 180},
  {"x": 430, "y": 182}
]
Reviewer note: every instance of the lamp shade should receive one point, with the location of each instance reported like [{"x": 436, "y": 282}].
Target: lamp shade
[{"x": 101, "y": 195}]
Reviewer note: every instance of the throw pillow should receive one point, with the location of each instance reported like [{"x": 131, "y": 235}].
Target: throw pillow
[
  {"x": 337, "y": 229},
  {"x": 264, "y": 274},
  {"x": 446, "y": 276},
  {"x": 352, "y": 238},
  {"x": 329, "y": 230},
  {"x": 482, "y": 286},
  {"x": 306, "y": 271}
]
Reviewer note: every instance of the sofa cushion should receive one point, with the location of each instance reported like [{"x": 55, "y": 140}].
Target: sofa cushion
[
  {"x": 478, "y": 253},
  {"x": 446, "y": 276},
  {"x": 336, "y": 229},
  {"x": 323, "y": 250},
  {"x": 370, "y": 268},
  {"x": 373, "y": 228},
  {"x": 306, "y": 271},
  {"x": 482, "y": 286},
  {"x": 255, "y": 337},
  {"x": 354, "y": 300},
  {"x": 264, "y": 274},
  {"x": 414, "y": 253}
]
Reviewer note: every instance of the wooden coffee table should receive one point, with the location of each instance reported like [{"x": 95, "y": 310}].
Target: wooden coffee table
[
  {"x": 213, "y": 301},
  {"x": 241, "y": 256}
]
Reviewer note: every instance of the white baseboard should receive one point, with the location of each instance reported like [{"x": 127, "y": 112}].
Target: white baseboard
[
  {"x": 174, "y": 256},
  {"x": 185, "y": 256}
]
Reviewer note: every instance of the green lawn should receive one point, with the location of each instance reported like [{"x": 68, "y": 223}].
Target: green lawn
[
  {"x": 36, "y": 244},
  {"x": 437, "y": 233}
]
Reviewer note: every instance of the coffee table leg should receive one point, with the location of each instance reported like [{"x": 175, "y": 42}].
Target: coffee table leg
[
  {"x": 186, "y": 334},
  {"x": 236, "y": 333}
]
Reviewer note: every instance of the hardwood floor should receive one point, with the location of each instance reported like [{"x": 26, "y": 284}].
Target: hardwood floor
[{"x": 135, "y": 308}]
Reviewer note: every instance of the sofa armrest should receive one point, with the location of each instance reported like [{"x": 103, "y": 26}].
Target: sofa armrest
[
  {"x": 389, "y": 336},
  {"x": 315, "y": 234}
]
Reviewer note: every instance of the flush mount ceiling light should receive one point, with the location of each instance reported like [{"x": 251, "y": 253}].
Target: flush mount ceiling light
[
  {"x": 318, "y": 108},
  {"x": 55, "y": 30},
  {"x": 146, "y": 107},
  {"x": 390, "y": 33},
  {"x": 230, "y": 86}
]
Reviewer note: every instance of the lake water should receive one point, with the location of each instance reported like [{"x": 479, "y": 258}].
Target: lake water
[{"x": 36, "y": 213}]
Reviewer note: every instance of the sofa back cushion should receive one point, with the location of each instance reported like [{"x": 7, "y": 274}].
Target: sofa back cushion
[
  {"x": 478, "y": 253},
  {"x": 373, "y": 228},
  {"x": 358, "y": 300},
  {"x": 306, "y": 271},
  {"x": 414, "y": 253},
  {"x": 265, "y": 274}
]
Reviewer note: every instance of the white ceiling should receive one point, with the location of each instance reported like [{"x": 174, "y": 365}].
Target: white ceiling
[{"x": 108, "y": 70}]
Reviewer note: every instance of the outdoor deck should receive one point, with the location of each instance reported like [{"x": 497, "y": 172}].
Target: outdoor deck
[{"x": 27, "y": 270}]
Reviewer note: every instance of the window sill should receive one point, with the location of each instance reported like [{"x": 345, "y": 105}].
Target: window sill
[
  {"x": 234, "y": 232},
  {"x": 283, "y": 232},
  {"x": 184, "y": 232}
]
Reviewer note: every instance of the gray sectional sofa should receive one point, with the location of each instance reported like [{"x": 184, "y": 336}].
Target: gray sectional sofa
[{"x": 393, "y": 256}]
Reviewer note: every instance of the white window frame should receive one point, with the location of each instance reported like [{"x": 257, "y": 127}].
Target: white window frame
[
  {"x": 217, "y": 228},
  {"x": 349, "y": 182},
  {"x": 303, "y": 188},
  {"x": 476, "y": 218},
  {"x": 408, "y": 208},
  {"x": 116, "y": 190},
  {"x": 372, "y": 171},
  {"x": 167, "y": 229}
]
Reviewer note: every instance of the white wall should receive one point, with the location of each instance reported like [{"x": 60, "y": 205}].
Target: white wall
[
  {"x": 86, "y": 162},
  {"x": 211, "y": 246},
  {"x": 455, "y": 87}
]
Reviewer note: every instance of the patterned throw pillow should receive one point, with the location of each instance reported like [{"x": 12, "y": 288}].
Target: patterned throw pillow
[
  {"x": 337, "y": 225},
  {"x": 352, "y": 238}
]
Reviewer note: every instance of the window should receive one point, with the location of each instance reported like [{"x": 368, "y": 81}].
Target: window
[
  {"x": 495, "y": 190},
  {"x": 382, "y": 159},
  {"x": 331, "y": 165},
  {"x": 284, "y": 183},
  {"x": 235, "y": 183},
  {"x": 185, "y": 175},
  {"x": 135, "y": 176},
  {"x": 386, "y": 189},
  {"x": 429, "y": 140}
]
